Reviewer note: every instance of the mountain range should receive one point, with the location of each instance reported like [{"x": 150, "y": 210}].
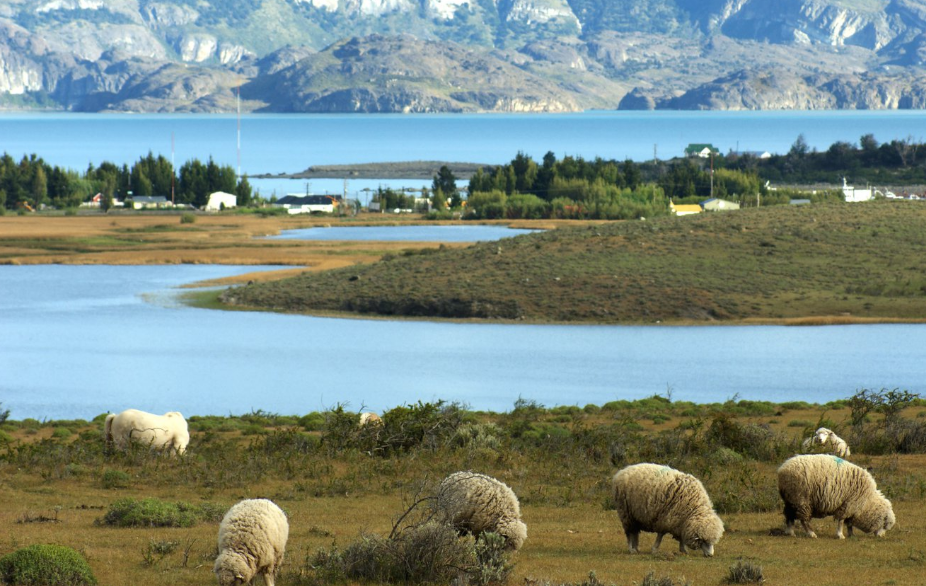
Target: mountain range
[{"x": 460, "y": 55}]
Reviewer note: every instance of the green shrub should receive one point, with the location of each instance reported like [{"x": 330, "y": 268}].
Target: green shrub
[
  {"x": 115, "y": 479},
  {"x": 61, "y": 433},
  {"x": 156, "y": 551},
  {"x": 651, "y": 580},
  {"x": 802, "y": 423},
  {"x": 314, "y": 421},
  {"x": 744, "y": 572},
  {"x": 150, "y": 512},
  {"x": 187, "y": 218},
  {"x": 45, "y": 565}
]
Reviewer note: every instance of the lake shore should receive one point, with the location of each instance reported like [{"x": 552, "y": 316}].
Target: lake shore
[{"x": 147, "y": 238}]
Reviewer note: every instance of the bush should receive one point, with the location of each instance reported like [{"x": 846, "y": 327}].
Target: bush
[
  {"x": 150, "y": 512},
  {"x": 187, "y": 218},
  {"x": 651, "y": 580},
  {"x": 45, "y": 565},
  {"x": 744, "y": 573},
  {"x": 115, "y": 479}
]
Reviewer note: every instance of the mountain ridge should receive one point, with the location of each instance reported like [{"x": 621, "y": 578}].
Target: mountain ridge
[{"x": 460, "y": 55}]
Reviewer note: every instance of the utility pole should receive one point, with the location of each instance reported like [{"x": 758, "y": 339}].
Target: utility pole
[
  {"x": 172, "y": 202},
  {"x": 712, "y": 173}
]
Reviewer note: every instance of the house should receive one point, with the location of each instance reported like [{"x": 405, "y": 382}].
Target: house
[
  {"x": 307, "y": 204},
  {"x": 700, "y": 150},
  {"x": 220, "y": 200},
  {"x": 757, "y": 154},
  {"x": 684, "y": 209},
  {"x": 853, "y": 194},
  {"x": 716, "y": 205},
  {"x": 145, "y": 202}
]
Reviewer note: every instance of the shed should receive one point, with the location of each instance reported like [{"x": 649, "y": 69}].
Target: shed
[
  {"x": 703, "y": 150},
  {"x": 684, "y": 209},
  {"x": 140, "y": 202},
  {"x": 220, "y": 200},
  {"x": 716, "y": 205}
]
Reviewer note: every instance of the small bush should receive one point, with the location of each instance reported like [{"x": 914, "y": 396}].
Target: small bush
[
  {"x": 314, "y": 421},
  {"x": 743, "y": 572},
  {"x": 187, "y": 218},
  {"x": 61, "y": 433},
  {"x": 115, "y": 479},
  {"x": 156, "y": 551},
  {"x": 149, "y": 512},
  {"x": 651, "y": 580},
  {"x": 45, "y": 565}
]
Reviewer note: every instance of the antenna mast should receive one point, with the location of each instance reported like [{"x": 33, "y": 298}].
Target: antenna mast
[{"x": 238, "y": 105}]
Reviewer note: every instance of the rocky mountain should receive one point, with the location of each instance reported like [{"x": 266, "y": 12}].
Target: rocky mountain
[{"x": 460, "y": 55}]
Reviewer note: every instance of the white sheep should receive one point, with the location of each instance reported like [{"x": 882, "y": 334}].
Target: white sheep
[
  {"x": 832, "y": 443},
  {"x": 820, "y": 485},
  {"x": 474, "y": 503},
  {"x": 651, "y": 497},
  {"x": 159, "y": 432},
  {"x": 252, "y": 541},
  {"x": 370, "y": 418}
]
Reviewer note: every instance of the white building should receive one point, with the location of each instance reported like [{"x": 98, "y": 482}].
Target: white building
[
  {"x": 221, "y": 201},
  {"x": 853, "y": 194}
]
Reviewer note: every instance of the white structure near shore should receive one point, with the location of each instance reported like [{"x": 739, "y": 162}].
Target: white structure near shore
[
  {"x": 853, "y": 194},
  {"x": 221, "y": 201}
]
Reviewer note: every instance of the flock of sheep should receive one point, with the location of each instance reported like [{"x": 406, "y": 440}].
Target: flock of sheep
[{"x": 648, "y": 497}]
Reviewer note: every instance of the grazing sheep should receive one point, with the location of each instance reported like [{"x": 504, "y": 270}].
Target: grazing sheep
[
  {"x": 819, "y": 485},
  {"x": 651, "y": 497},
  {"x": 370, "y": 418},
  {"x": 832, "y": 443},
  {"x": 474, "y": 503},
  {"x": 252, "y": 540},
  {"x": 160, "y": 432}
]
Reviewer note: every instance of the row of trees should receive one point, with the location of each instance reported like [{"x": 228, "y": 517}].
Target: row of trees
[{"x": 33, "y": 182}]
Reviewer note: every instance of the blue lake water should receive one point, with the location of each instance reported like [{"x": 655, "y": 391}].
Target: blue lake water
[
  {"x": 78, "y": 341},
  {"x": 274, "y": 143},
  {"x": 469, "y": 233}
]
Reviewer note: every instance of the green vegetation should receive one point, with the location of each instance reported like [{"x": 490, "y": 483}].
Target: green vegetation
[
  {"x": 46, "y": 565},
  {"x": 830, "y": 262},
  {"x": 357, "y": 497},
  {"x": 152, "y": 512},
  {"x": 32, "y": 182}
]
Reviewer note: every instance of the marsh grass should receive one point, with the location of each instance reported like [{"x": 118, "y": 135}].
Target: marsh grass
[{"x": 341, "y": 487}]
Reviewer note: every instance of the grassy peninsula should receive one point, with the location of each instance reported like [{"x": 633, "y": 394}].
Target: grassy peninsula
[{"x": 823, "y": 263}]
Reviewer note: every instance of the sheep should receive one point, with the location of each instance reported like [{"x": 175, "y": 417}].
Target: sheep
[
  {"x": 820, "y": 485},
  {"x": 832, "y": 443},
  {"x": 160, "y": 432},
  {"x": 252, "y": 540},
  {"x": 370, "y": 418},
  {"x": 652, "y": 497},
  {"x": 474, "y": 503}
]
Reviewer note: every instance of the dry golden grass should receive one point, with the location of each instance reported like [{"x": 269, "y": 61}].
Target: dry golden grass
[{"x": 565, "y": 542}]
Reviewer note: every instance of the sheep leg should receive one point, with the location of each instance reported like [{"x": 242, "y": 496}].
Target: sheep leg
[
  {"x": 806, "y": 524},
  {"x": 849, "y": 528},
  {"x": 839, "y": 523},
  {"x": 633, "y": 539},
  {"x": 790, "y": 516},
  {"x": 681, "y": 547},
  {"x": 268, "y": 578},
  {"x": 658, "y": 542}
]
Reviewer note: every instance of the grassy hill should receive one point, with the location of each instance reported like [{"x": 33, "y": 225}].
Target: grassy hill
[{"x": 829, "y": 263}]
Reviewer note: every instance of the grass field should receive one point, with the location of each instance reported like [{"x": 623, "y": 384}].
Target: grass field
[
  {"x": 336, "y": 484},
  {"x": 812, "y": 264}
]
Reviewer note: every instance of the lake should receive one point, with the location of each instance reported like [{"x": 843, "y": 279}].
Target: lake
[
  {"x": 471, "y": 233},
  {"x": 82, "y": 340},
  {"x": 278, "y": 143}
]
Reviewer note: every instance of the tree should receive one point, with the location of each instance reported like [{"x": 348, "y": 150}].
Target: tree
[
  {"x": 800, "y": 147},
  {"x": 445, "y": 181},
  {"x": 39, "y": 189},
  {"x": 243, "y": 191}
]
